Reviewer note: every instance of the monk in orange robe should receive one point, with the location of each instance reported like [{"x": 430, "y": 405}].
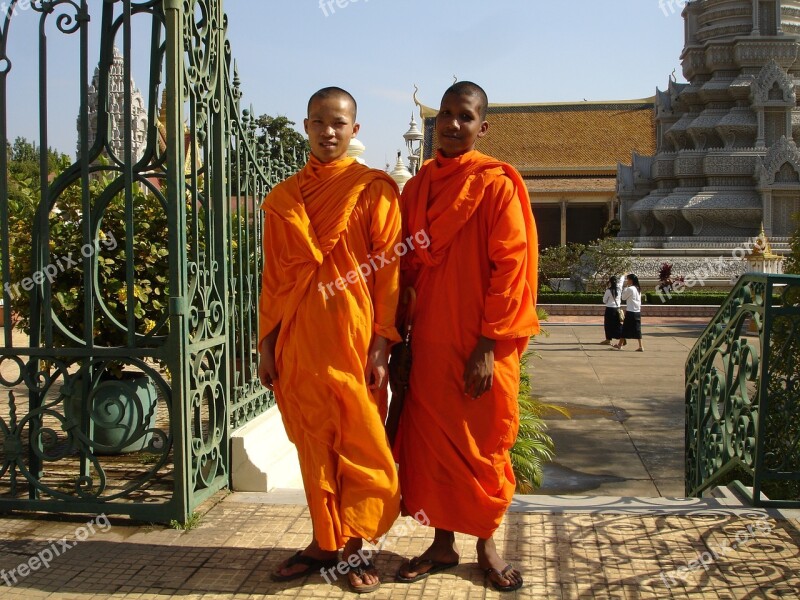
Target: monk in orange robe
[
  {"x": 329, "y": 297},
  {"x": 475, "y": 310}
]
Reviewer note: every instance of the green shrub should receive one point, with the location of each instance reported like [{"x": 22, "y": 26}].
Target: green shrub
[
  {"x": 107, "y": 251},
  {"x": 533, "y": 447},
  {"x": 594, "y": 263},
  {"x": 570, "y": 298},
  {"x": 559, "y": 262},
  {"x": 604, "y": 258},
  {"x": 686, "y": 298}
]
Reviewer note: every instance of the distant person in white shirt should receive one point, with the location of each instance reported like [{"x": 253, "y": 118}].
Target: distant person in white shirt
[
  {"x": 632, "y": 325},
  {"x": 611, "y": 321}
]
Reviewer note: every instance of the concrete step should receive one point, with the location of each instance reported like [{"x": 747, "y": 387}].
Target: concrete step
[
  {"x": 262, "y": 457},
  {"x": 721, "y": 501}
]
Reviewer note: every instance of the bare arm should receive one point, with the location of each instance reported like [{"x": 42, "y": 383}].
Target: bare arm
[{"x": 267, "y": 371}]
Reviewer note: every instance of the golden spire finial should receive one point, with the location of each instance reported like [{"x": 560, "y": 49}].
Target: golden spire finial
[{"x": 761, "y": 245}]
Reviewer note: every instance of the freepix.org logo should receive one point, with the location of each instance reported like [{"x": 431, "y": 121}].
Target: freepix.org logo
[
  {"x": 375, "y": 263},
  {"x": 42, "y": 559},
  {"x": 671, "y": 7},
  {"x": 328, "y": 7}
]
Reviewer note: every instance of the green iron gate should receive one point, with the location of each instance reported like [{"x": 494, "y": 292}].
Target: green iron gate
[
  {"x": 743, "y": 394},
  {"x": 132, "y": 275}
]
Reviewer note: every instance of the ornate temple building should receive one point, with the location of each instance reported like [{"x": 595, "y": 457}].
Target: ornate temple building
[
  {"x": 114, "y": 116},
  {"x": 116, "y": 103},
  {"x": 726, "y": 159},
  {"x": 568, "y": 154}
]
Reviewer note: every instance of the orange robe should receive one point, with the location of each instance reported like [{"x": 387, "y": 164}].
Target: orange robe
[
  {"x": 322, "y": 227},
  {"x": 477, "y": 277}
]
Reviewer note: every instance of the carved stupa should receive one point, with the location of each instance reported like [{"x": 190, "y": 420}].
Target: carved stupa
[{"x": 727, "y": 158}]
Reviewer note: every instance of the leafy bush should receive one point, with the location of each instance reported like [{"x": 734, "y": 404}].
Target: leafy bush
[
  {"x": 570, "y": 298},
  {"x": 559, "y": 262},
  {"x": 107, "y": 251},
  {"x": 595, "y": 262},
  {"x": 534, "y": 447},
  {"x": 604, "y": 258},
  {"x": 685, "y": 298},
  {"x": 665, "y": 279}
]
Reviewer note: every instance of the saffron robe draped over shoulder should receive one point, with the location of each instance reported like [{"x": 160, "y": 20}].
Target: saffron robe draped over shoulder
[
  {"x": 478, "y": 277},
  {"x": 323, "y": 229}
]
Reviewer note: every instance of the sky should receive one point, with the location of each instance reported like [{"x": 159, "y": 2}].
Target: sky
[{"x": 519, "y": 50}]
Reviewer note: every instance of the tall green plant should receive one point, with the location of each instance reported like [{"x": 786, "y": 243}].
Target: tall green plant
[
  {"x": 559, "y": 262},
  {"x": 604, "y": 258},
  {"x": 534, "y": 447},
  {"x": 67, "y": 249}
]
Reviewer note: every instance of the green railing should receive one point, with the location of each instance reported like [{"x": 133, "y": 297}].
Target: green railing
[
  {"x": 743, "y": 394},
  {"x": 171, "y": 304}
]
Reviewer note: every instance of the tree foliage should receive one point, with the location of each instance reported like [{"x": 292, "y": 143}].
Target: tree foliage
[
  {"x": 70, "y": 251},
  {"x": 557, "y": 262},
  {"x": 591, "y": 264},
  {"x": 280, "y": 136},
  {"x": 792, "y": 263}
]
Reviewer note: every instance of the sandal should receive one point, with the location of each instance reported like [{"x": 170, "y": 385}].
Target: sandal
[
  {"x": 312, "y": 564},
  {"x": 360, "y": 571},
  {"x": 414, "y": 563},
  {"x": 502, "y": 574}
]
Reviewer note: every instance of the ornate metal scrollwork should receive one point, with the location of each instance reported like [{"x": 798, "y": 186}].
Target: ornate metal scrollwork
[{"x": 742, "y": 383}]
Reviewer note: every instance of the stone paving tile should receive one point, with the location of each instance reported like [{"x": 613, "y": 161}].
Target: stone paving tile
[{"x": 237, "y": 545}]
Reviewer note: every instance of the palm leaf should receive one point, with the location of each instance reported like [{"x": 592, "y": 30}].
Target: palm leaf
[{"x": 534, "y": 447}]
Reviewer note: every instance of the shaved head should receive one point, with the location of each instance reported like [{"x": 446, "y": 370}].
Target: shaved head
[
  {"x": 333, "y": 92},
  {"x": 467, "y": 88}
]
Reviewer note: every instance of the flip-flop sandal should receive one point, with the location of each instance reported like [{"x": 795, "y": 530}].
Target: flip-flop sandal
[
  {"x": 502, "y": 588},
  {"x": 414, "y": 563},
  {"x": 361, "y": 570},
  {"x": 313, "y": 564}
]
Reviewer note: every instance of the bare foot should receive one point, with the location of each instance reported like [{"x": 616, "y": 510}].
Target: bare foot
[
  {"x": 441, "y": 553},
  {"x": 500, "y": 573},
  {"x": 291, "y": 567},
  {"x": 364, "y": 576}
]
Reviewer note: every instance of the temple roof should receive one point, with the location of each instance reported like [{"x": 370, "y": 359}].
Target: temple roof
[
  {"x": 572, "y": 137},
  {"x": 582, "y": 185}
]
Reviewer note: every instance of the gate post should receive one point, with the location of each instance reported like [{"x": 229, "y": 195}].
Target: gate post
[{"x": 176, "y": 215}]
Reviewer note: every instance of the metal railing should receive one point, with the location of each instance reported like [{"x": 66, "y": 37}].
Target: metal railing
[{"x": 743, "y": 394}]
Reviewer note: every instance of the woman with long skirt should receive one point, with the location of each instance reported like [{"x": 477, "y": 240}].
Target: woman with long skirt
[
  {"x": 632, "y": 325},
  {"x": 611, "y": 320}
]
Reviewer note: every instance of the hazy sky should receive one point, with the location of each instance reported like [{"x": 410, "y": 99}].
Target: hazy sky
[{"x": 518, "y": 50}]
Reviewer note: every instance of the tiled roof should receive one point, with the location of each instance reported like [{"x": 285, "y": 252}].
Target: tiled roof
[
  {"x": 563, "y": 137},
  {"x": 544, "y": 185}
]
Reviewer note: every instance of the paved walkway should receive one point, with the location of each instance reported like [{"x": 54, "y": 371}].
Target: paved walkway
[
  {"x": 597, "y": 544},
  {"x": 625, "y": 436}
]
